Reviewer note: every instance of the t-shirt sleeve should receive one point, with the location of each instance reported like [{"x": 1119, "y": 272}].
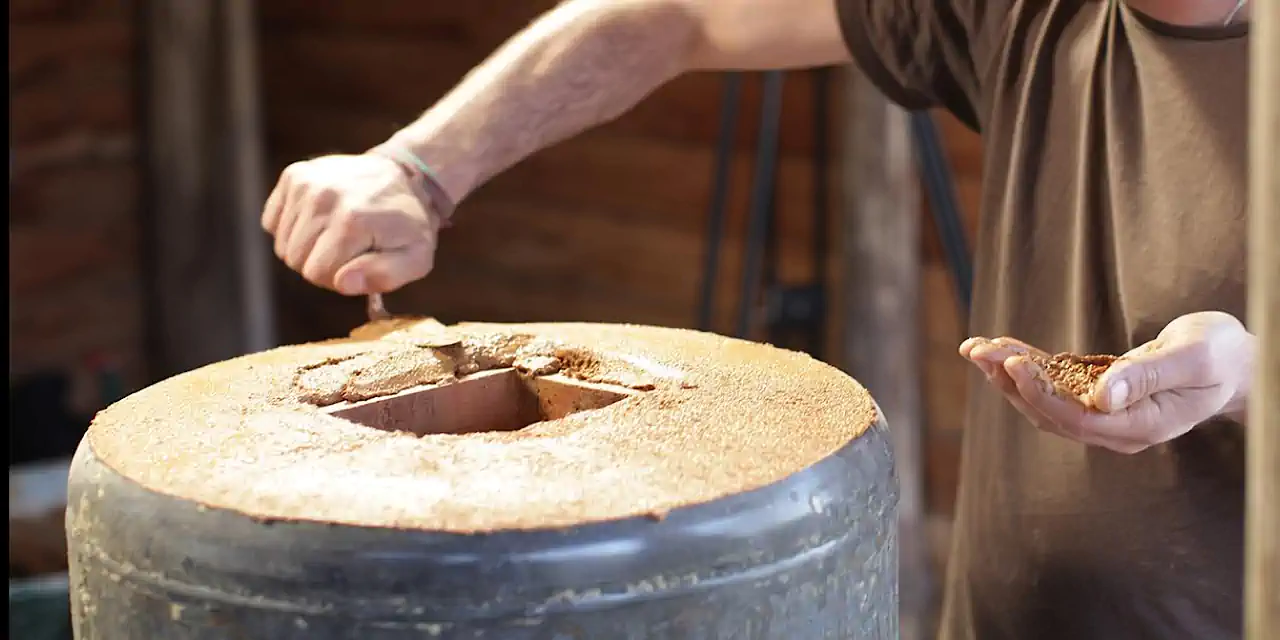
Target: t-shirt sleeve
[{"x": 920, "y": 53}]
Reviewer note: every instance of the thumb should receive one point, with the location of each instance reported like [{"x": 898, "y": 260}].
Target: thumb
[
  {"x": 384, "y": 271},
  {"x": 1149, "y": 369}
]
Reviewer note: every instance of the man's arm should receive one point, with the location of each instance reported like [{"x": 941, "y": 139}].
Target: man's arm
[
  {"x": 589, "y": 61},
  {"x": 365, "y": 223}
]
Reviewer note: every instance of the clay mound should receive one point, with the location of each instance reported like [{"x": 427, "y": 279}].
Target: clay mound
[
  {"x": 498, "y": 427},
  {"x": 1075, "y": 375}
]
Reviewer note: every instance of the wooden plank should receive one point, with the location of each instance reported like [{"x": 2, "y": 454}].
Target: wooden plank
[
  {"x": 28, "y": 10},
  {"x": 1262, "y": 582},
  {"x": 945, "y": 373},
  {"x": 85, "y": 195},
  {"x": 578, "y": 249},
  {"x": 880, "y": 286},
  {"x": 31, "y": 11},
  {"x": 942, "y": 472},
  {"x": 54, "y": 256},
  {"x": 38, "y": 48},
  {"x": 969, "y": 199},
  {"x": 74, "y": 151},
  {"x": 402, "y": 18},
  {"x": 92, "y": 95}
]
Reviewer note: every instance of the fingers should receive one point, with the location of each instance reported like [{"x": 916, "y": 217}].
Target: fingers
[
  {"x": 1150, "y": 369},
  {"x": 990, "y": 357},
  {"x": 1007, "y": 386},
  {"x": 317, "y": 216},
  {"x": 354, "y": 224},
  {"x": 1009, "y": 367},
  {"x": 1166, "y": 389},
  {"x": 287, "y": 200},
  {"x": 336, "y": 247},
  {"x": 271, "y": 210},
  {"x": 1018, "y": 346},
  {"x": 355, "y": 255},
  {"x": 385, "y": 271},
  {"x": 967, "y": 346},
  {"x": 1070, "y": 418}
]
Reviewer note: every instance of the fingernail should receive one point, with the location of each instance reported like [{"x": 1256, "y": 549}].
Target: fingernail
[
  {"x": 1118, "y": 395},
  {"x": 352, "y": 284}
]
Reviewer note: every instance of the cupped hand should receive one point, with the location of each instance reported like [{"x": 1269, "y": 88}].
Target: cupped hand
[
  {"x": 1199, "y": 367},
  {"x": 356, "y": 224}
]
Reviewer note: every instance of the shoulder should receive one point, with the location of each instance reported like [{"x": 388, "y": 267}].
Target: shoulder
[{"x": 945, "y": 53}]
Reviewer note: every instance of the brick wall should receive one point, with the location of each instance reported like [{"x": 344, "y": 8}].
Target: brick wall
[{"x": 74, "y": 285}]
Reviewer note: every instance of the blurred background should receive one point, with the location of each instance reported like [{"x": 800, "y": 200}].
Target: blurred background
[{"x": 125, "y": 263}]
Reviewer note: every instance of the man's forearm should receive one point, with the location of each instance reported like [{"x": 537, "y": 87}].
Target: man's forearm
[{"x": 580, "y": 65}]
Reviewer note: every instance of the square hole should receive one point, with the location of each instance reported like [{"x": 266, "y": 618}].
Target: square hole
[{"x": 499, "y": 400}]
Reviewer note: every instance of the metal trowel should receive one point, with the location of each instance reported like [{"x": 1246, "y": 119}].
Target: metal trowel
[
  {"x": 418, "y": 330},
  {"x": 377, "y": 309}
]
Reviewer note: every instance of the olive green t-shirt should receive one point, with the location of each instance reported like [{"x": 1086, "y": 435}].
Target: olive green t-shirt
[{"x": 1114, "y": 197}]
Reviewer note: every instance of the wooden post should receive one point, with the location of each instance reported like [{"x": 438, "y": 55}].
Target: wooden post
[
  {"x": 245, "y": 121},
  {"x": 880, "y": 208},
  {"x": 199, "y": 313},
  {"x": 1262, "y": 581}
]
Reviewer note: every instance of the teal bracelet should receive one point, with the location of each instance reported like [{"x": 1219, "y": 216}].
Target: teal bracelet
[{"x": 443, "y": 204}]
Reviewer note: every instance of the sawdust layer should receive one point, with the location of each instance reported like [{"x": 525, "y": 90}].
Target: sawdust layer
[{"x": 718, "y": 417}]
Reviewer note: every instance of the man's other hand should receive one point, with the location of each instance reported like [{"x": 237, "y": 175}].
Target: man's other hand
[
  {"x": 1199, "y": 367},
  {"x": 356, "y": 224}
]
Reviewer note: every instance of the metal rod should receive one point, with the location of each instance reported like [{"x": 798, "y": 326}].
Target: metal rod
[
  {"x": 730, "y": 106},
  {"x": 943, "y": 204},
  {"x": 762, "y": 188}
]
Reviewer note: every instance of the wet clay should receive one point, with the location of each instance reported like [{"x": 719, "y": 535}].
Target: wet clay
[
  {"x": 696, "y": 417},
  {"x": 1075, "y": 375}
]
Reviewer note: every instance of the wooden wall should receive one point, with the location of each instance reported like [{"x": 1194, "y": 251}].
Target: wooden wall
[
  {"x": 74, "y": 286},
  {"x": 606, "y": 227}
]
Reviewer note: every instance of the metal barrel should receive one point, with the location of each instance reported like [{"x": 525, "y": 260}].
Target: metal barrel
[{"x": 811, "y": 556}]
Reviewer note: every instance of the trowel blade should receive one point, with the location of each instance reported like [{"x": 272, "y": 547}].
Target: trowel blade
[
  {"x": 418, "y": 330},
  {"x": 377, "y": 310}
]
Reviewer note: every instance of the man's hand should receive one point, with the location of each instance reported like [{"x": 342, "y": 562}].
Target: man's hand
[
  {"x": 1199, "y": 367},
  {"x": 354, "y": 224}
]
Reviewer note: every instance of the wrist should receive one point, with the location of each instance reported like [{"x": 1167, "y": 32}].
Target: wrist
[
  {"x": 453, "y": 165},
  {"x": 422, "y": 175}
]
